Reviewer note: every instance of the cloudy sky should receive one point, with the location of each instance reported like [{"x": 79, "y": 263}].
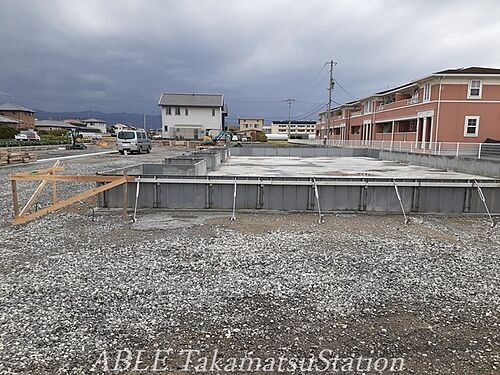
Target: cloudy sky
[{"x": 119, "y": 55}]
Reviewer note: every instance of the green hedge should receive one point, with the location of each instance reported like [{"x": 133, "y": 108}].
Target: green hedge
[
  {"x": 52, "y": 133},
  {"x": 16, "y": 143},
  {"x": 6, "y": 132}
]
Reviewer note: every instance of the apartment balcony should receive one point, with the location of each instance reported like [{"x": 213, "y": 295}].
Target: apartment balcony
[{"x": 398, "y": 104}]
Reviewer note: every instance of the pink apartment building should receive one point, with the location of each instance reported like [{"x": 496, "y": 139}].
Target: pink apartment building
[{"x": 454, "y": 105}]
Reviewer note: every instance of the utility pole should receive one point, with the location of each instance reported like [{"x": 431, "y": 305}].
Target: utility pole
[
  {"x": 330, "y": 92},
  {"x": 144, "y": 121},
  {"x": 289, "y": 101}
]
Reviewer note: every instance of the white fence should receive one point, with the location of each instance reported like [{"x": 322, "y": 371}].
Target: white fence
[{"x": 457, "y": 149}]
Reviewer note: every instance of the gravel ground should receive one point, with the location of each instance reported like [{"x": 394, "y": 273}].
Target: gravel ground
[{"x": 266, "y": 285}]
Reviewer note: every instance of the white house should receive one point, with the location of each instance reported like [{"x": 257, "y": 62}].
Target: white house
[
  {"x": 191, "y": 116},
  {"x": 119, "y": 127},
  {"x": 96, "y": 124}
]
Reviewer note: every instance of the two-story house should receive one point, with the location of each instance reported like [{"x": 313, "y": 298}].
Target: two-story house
[
  {"x": 454, "y": 105},
  {"x": 191, "y": 116},
  {"x": 25, "y": 117},
  {"x": 246, "y": 123},
  {"x": 95, "y": 123}
]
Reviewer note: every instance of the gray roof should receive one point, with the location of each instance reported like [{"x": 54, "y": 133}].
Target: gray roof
[
  {"x": 9, "y": 106},
  {"x": 192, "y": 100},
  {"x": 471, "y": 70},
  {"x": 94, "y": 120},
  {"x": 53, "y": 124},
  {"x": 8, "y": 120}
]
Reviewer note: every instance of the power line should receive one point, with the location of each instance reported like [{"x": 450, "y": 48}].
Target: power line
[
  {"x": 311, "y": 112},
  {"x": 346, "y": 91},
  {"x": 254, "y": 101},
  {"x": 302, "y": 101},
  {"x": 311, "y": 82}
]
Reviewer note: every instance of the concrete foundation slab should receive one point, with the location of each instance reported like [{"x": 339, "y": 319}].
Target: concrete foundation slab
[{"x": 328, "y": 167}]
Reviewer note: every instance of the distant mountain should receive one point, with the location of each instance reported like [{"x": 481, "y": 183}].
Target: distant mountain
[{"x": 134, "y": 119}]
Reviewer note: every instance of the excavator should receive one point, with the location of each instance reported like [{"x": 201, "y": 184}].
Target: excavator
[
  {"x": 76, "y": 140},
  {"x": 223, "y": 135}
]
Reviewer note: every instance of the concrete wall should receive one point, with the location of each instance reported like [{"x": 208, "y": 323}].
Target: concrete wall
[
  {"x": 302, "y": 152},
  {"x": 482, "y": 167}
]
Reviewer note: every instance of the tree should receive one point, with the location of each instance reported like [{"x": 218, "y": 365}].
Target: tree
[{"x": 261, "y": 137}]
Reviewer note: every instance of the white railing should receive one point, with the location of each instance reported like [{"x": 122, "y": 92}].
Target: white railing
[
  {"x": 412, "y": 100},
  {"x": 456, "y": 149}
]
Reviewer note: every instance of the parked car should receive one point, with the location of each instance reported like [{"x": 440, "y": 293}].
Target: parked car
[
  {"x": 234, "y": 138},
  {"x": 244, "y": 139},
  {"x": 133, "y": 141},
  {"x": 27, "y": 135}
]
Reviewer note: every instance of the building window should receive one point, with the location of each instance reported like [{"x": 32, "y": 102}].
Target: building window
[
  {"x": 427, "y": 92},
  {"x": 186, "y": 111},
  {"x": 368, "y": 107},
  {"x": 213, "y": 112},
  {"x": 471, "y": 127},
  {"x": 177, "y": 111},
  {"x": 166, "y": 128},
  {"x": 475, "y": 89},
  {"x": 168, "y": 110}
]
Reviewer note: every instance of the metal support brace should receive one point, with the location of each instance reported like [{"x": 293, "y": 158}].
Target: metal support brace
[
  {"x": 481, "y": 196},
  {"x": 136, "y": 198},
  {"x": 234, "y": 200},
  {"x": 400, "y": 201},
  {"x": 316, "y": 193}
]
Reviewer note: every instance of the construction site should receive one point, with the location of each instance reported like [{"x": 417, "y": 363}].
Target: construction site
[{"x": 273, "y": 250}]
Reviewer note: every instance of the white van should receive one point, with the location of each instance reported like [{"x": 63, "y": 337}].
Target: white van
[{"x": 133, "y": 141}]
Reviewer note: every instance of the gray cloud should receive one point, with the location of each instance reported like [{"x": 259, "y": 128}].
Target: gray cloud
[{"x": 120, "y": 55}]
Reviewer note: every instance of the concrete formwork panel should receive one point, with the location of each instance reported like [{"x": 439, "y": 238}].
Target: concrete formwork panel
[
  {"x": 491, "y": 196},
  {"x": 333, "y": 198},
  {"x": 185, "y": 166},
  {"x": 440, "y": 200},
  {"x": 384, "y": 199},
  {"x": 246, "y": 196},
  {"x": 212, "y": 158},
  {"x": 182, "y": 196},
  {"x": 300, "y": 196},
  {"x": 286, "y": 198}
]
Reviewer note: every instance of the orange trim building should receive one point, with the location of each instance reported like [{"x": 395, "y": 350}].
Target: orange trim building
[{"x": 455, "y": 105}]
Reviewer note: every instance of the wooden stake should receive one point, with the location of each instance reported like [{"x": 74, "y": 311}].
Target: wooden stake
[
  {"x": 15, "y": 200},
  {"x": 125, "y": 198},
  {"x": 54, "y": 191}
]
